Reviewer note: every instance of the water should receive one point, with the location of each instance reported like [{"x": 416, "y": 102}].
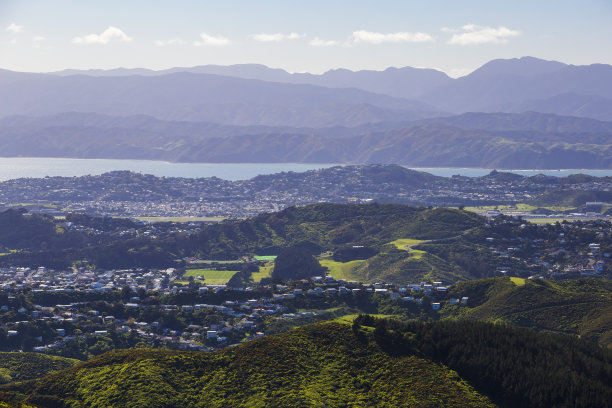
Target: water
[{"x": 11, "y": 168}]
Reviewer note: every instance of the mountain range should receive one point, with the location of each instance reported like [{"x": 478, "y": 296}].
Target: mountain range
[{"x": 523, "y": 112}]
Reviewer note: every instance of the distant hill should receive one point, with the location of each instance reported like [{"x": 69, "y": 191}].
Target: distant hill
[
  {"x": 332, "y": 225},
  {"x": 252, "y": 94},
  {"x": 514, "y": 81},
  {"x": 514, "y": 113},
  {"x": 590, "y": 106},
  {"x": 530, "y": 140},
  {"x": 206, "y": 97},
  {"x": 406, "y": 82},
  {"x": 526, "y": 121}
]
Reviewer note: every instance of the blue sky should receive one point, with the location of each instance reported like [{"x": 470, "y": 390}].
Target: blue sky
[{"x": 455, "y": 36}]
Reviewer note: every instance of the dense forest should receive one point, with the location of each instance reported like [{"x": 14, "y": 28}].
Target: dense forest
[{"x": 514, "y": 367}]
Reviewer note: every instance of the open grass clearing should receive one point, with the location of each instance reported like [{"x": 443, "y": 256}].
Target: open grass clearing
[
  {"x": 405, "y": 242},
  {"x": 417, "y": 253},
  {"x": 518, "y": 281},
  {"x": 211, "y": 276},
  {"x": 265, "y": 271},
  {"x": 340, "y": 270},
  {"x": 265, "y": 257}
]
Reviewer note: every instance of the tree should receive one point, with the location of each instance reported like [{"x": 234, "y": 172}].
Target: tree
[{"x": 295, "y": 263}]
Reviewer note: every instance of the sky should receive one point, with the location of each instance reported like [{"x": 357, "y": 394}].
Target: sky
[{"x": 454, "y": 36}]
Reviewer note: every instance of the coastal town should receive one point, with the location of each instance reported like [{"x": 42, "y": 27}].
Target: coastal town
[{"x": 127, "y": 194}]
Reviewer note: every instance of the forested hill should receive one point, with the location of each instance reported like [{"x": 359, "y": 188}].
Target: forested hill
[
  {"x": 320, "y": 365},
  {"x": 581, "y": 307},
  {"x": 328, "y": 226},
  {"x": 34, "y": 240},
  {"x": 377, "y": 363}
]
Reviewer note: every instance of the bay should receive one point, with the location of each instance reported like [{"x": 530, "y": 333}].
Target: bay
[{"x": 18, "y": 167}]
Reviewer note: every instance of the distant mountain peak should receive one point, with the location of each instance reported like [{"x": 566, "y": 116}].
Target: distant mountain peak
[{"x": 524, "y": 66}]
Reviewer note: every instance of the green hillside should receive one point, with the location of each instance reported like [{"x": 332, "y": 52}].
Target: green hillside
[
  {"x": 323, "y": 365},
  {"x": 330, "y": 226},
  {"x": 371, "y": 363},
  {"x": 26, "y": 366},
  {"x": 580, "y": 307}
]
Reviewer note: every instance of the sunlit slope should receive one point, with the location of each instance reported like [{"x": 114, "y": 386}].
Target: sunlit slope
[{"x": 323, "y": 365}]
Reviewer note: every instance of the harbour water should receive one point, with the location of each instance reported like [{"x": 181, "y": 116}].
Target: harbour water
[{"x": 17, "y": 167}]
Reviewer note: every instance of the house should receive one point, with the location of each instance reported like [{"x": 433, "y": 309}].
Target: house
[
  {"x": 435, "y": 306},
  {"x": 464, "y": 300},
  {"x": 454, "y": 301},
  {"x": 380, "y": 290}
]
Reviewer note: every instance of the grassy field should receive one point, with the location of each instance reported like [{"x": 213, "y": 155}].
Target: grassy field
[
  {"x": 340, "y": 270},
  {"x": 517, "y": 207},
  {"x": 211, "y": 276},
  {"x": 264, "y": 272},
  {"x": 518, "y": 281},
  {"x": 265, "y": 257},
  {"x": 404, "y": 242}
]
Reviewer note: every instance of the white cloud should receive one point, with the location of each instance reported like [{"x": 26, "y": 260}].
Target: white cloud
[
  {"x": 14, "y": 28},
  {"x": 111, "y": 33},
  {"x": 369, "y": 37},
  {"x": 277, "y": 37},
  {"x": 207, "y": 39},
  {"x": 170, "y": 42},
  {"x": 472, "y": 34},
  {"x": 317, "y": 42},
  {"x": 38, "y": 38}
]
